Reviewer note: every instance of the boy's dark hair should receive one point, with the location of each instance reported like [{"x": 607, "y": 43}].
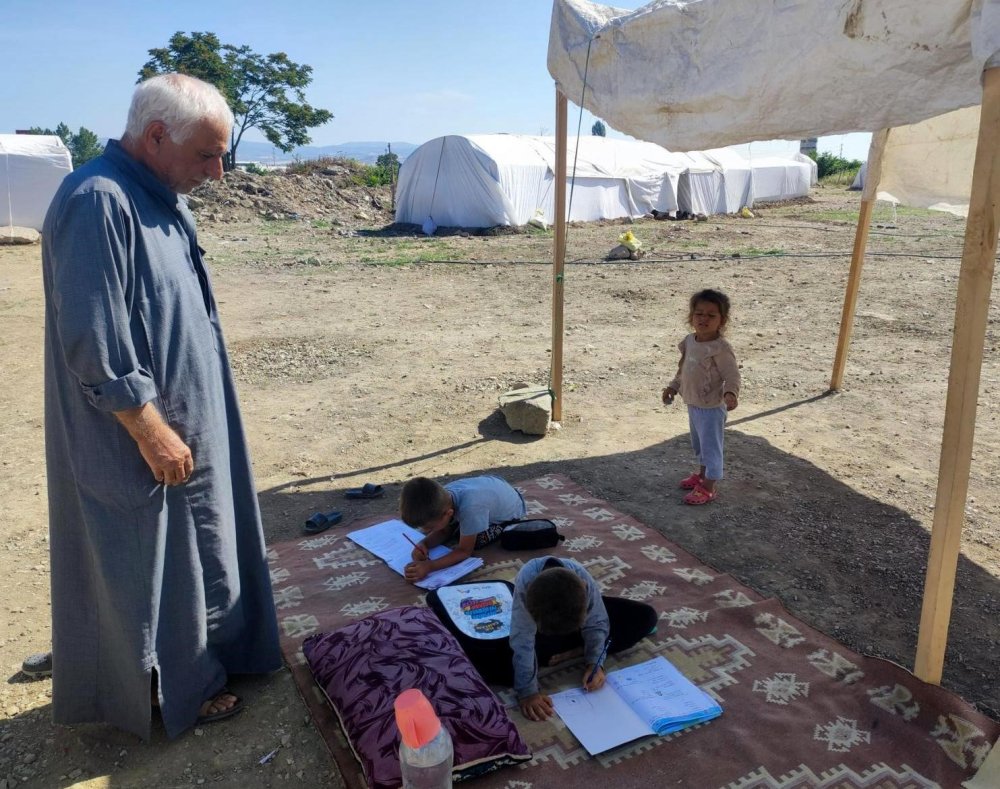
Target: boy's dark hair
[
  {"x": 557, "y": 601},
  {"x": 716, "y": 297},
  {"x": 421, "y": 501}
]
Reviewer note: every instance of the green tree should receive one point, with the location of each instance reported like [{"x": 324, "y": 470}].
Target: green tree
[
  {"x": 828, "y": 164},
  {"x": 599, "y": 129},
  {"x": 265, "y": 92},
  {"x": 83, "y": 146},
  {"x": 388, "y": 165}
]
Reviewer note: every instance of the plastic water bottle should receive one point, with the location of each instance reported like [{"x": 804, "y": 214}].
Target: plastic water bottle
[{"x": 425, "y": 753}]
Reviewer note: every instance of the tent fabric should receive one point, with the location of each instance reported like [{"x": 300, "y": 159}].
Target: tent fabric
[
  {"x": 691, "y": 74},
  {"x": 775, "y": 178},
  {"x": 813, "y": 167},
  {"x": 486, "y": 180},
  {"x": 31, "y": 168},
  {"x": 949, "y": 141}
]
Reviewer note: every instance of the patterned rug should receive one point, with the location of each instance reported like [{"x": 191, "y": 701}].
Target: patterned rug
[{"x": 800, "y": 710}]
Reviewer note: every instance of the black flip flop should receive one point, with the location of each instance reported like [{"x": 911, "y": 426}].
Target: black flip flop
[
  {"x": 321, "y": 521},
  {"x": 222, "y": 714},
  {"x": 367, "y": 491}
]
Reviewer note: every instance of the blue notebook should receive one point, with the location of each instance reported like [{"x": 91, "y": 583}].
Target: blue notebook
[{"x": 638, "y": 701}]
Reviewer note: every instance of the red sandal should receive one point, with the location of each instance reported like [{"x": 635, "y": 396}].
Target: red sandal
[
  {"x": 691, "y": 482},
  {"x": 700, "y": 496}
]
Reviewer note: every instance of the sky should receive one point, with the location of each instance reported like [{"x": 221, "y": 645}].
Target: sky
[{"x": 388, "y": 70}]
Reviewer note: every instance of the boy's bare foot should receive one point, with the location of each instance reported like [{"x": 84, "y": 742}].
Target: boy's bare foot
[{"x": 562, "y": 657}]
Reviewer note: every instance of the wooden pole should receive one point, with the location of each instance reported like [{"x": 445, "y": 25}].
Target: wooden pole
[
  {"x": 975, "y": 280},
  {"x": 559, "y": 256},
  {"x": 873, "y": 174}
]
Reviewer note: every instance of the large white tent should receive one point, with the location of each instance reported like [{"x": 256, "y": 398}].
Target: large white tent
[
  {"x": 485, "y": 180},
  {"x": 31, "y": 168},
  {"x": 685, "y": 73}
]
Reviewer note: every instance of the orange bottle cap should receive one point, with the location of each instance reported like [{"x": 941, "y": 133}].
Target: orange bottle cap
[{"x": 415, "y": 718}]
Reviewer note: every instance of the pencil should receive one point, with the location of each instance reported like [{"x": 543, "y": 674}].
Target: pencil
[
  {"x": 600, "y": 659},
  {"x": 409, "y": 540}
]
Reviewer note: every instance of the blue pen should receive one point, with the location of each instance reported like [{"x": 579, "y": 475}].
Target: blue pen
[{"x": 600, "y": 660}]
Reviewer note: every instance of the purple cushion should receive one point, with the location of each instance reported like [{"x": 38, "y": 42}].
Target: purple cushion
[{"x": 363, "y": 667}]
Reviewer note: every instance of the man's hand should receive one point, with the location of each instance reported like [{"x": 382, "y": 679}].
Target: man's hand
[
  {"x": 537, "y": 708},
  {"x": 416, "y": 571},
  {"x": 165, "y": 452},
  {"x": 167, "y": 456},
  {"x": 668, "y": 396},
  {"x": 731, "y": 401},
  {"x": 597, "y": 682}
]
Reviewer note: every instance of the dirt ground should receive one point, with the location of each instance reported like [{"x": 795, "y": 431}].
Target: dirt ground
[{"x": 366, "y": 354}]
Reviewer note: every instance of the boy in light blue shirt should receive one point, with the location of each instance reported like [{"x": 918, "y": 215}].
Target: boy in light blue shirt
[{"x": 474, "y": 508}]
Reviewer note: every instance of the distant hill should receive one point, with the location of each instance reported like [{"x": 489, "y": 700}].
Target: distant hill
[{"x": 366, "y": 152}]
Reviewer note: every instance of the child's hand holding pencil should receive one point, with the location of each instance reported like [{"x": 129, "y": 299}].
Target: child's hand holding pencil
[{"x": 419, "y": 552}]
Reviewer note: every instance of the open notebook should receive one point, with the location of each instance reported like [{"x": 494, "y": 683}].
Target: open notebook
[
  {"x": 648, "y": 698},
  {"x": 388, "y": 541}
]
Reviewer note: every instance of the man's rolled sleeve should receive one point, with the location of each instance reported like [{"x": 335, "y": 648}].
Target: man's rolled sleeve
[
  {"x": 91, "y": 293},
  {"x": 130, "y": 391}
]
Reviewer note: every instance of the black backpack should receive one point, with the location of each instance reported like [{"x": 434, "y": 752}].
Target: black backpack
[{"x": 530, "y": 535}]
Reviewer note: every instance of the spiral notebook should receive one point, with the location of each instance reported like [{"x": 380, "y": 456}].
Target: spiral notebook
[
  {"x": 648, "y": 698},
  {"x": 392, "y": 541}
]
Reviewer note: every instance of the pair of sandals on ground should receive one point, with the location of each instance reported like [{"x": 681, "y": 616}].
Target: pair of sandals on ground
[
  {"x": 221, "y": 706},
  {"x": 699, "y": 494}
]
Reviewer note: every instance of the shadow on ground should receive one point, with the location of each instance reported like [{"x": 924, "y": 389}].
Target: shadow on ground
[{"x": 842, "y": 562}]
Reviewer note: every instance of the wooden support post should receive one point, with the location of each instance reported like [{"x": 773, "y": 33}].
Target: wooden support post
[
  {"x": 975, "y": 280},
  {"x": 559, "y": 257},
  {"x": 873, "y": 174}
]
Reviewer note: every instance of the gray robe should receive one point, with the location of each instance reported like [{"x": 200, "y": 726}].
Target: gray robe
[{"x": 144, "y": 577}]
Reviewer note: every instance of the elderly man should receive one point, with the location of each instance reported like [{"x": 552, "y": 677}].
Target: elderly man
[{"x": 160, "y": 587}]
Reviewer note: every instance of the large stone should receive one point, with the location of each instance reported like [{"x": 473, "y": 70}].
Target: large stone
[
  {"x": 620, "y": 252},
  {"x": 12, "y": 234},
  {"x": 528, "y": 409}
]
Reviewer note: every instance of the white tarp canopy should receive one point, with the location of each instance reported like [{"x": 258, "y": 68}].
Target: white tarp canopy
[
  {"x": 929, "y": 164},
  {"x": 31, "y": 168},
  {"x": 484, "y": 180},
  {"x": 691, "y": 74},
  {"x": 686, "y": 73}
]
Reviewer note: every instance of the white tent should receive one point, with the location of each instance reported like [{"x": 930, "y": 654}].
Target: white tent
[
  {"x": 484, "y": 180},
  {"x": 685, "y": 73},
  {"x": 31, "y": 168},
  {"x": 714, "y": 184},
  {"x": 775, "y": 178}
]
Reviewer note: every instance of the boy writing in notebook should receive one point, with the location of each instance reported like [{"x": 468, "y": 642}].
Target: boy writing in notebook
[
  {"x": 558, "y": 614},
  {"x": 474, "y": 509}
]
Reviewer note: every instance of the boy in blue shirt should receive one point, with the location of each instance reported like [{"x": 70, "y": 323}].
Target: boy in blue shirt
[
  {"x": 559, "y": 613},
  {"x": 474, "y": 508}
]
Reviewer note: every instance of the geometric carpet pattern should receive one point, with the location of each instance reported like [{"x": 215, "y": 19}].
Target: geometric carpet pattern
[{"x": 799, "y": 709}]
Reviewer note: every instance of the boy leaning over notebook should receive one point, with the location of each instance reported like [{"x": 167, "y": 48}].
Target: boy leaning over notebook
[
  {"x": 473, "y": 508},
  {"x": 558, "y": 614}
]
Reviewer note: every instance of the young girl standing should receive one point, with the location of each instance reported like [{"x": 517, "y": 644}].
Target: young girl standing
[{"x": 708, "y": 379}]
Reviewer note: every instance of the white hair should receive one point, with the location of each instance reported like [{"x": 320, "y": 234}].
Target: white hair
[{"x": 180, "y": 102}]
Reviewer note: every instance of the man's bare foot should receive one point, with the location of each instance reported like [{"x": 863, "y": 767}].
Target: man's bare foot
[
  {"x": 562, "y": 657},
  {"x": 221, "y": 706}
]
